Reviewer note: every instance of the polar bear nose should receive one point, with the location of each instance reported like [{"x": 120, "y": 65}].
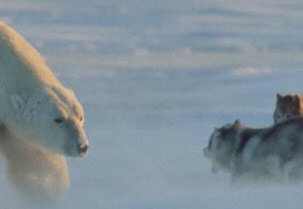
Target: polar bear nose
[{"x": 82, "y": 149}]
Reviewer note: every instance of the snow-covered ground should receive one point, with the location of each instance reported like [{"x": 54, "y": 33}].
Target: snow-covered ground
[{"x": 155, "y": 78}]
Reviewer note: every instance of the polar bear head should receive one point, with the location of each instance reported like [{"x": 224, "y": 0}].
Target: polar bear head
[{"x": 52, "y": 119}]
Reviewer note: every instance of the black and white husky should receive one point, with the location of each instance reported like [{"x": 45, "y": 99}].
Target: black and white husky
[{"x": 274, "y": 153}]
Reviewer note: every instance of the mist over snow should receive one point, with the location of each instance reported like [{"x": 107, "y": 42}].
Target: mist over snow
[{"x": 155, "y": 78}]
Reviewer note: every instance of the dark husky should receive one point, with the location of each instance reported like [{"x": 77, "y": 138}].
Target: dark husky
[{"x": 274, "y": 153}]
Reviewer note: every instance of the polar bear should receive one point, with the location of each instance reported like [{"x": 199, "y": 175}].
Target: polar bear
[
  {"x": 33, "y": 103},
  {"x": 41, "y": 120}
]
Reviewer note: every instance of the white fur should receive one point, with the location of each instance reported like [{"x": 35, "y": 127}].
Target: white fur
[
  {"x": 37, "y": 176},
  {"x": 40, "y": 120},
  {"x": 31, "y": 98}
]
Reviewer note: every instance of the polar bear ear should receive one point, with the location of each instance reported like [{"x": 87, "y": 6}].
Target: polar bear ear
[{"x": 17, "y": 102}]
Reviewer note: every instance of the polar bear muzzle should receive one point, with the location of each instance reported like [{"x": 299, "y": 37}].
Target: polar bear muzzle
[
  {"x": 82, "y": 149},
  {"x": 77, "y": 145},
  {"x": 79, "y": 149}
]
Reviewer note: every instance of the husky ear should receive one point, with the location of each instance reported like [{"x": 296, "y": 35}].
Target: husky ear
[
  {"x": 206, "y": 152},
  {"x": 17, "y": 102},
  {"x": 237, "y": 124},
  {"x": 279, "y": 96}
]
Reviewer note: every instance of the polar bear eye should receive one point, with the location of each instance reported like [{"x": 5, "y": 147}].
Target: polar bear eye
[
  {"x": 81, "y": 119},
  {"x": 58, "y": 120}
]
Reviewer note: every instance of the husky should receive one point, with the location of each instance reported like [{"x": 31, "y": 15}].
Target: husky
[
  {"x": 273, "y": 155},
  {"x": 288, "y": 106}
]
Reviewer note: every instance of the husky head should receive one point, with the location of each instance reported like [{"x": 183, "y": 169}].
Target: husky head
[
  {"x": 221, "y": 146},
  {"x": 287, "y": 106}
]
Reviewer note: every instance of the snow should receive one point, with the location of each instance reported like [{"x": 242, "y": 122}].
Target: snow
[{"x": 155, "y": 78}]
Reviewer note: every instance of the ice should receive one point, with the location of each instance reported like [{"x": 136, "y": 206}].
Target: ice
[{"x": 155, "y": 78}]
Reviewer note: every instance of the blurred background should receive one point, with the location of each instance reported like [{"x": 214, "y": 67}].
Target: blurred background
[{"x": 155, "y": 78}]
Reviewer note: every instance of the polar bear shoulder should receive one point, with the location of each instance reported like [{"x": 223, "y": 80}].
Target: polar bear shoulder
[{"x": 20, "y": 58}]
